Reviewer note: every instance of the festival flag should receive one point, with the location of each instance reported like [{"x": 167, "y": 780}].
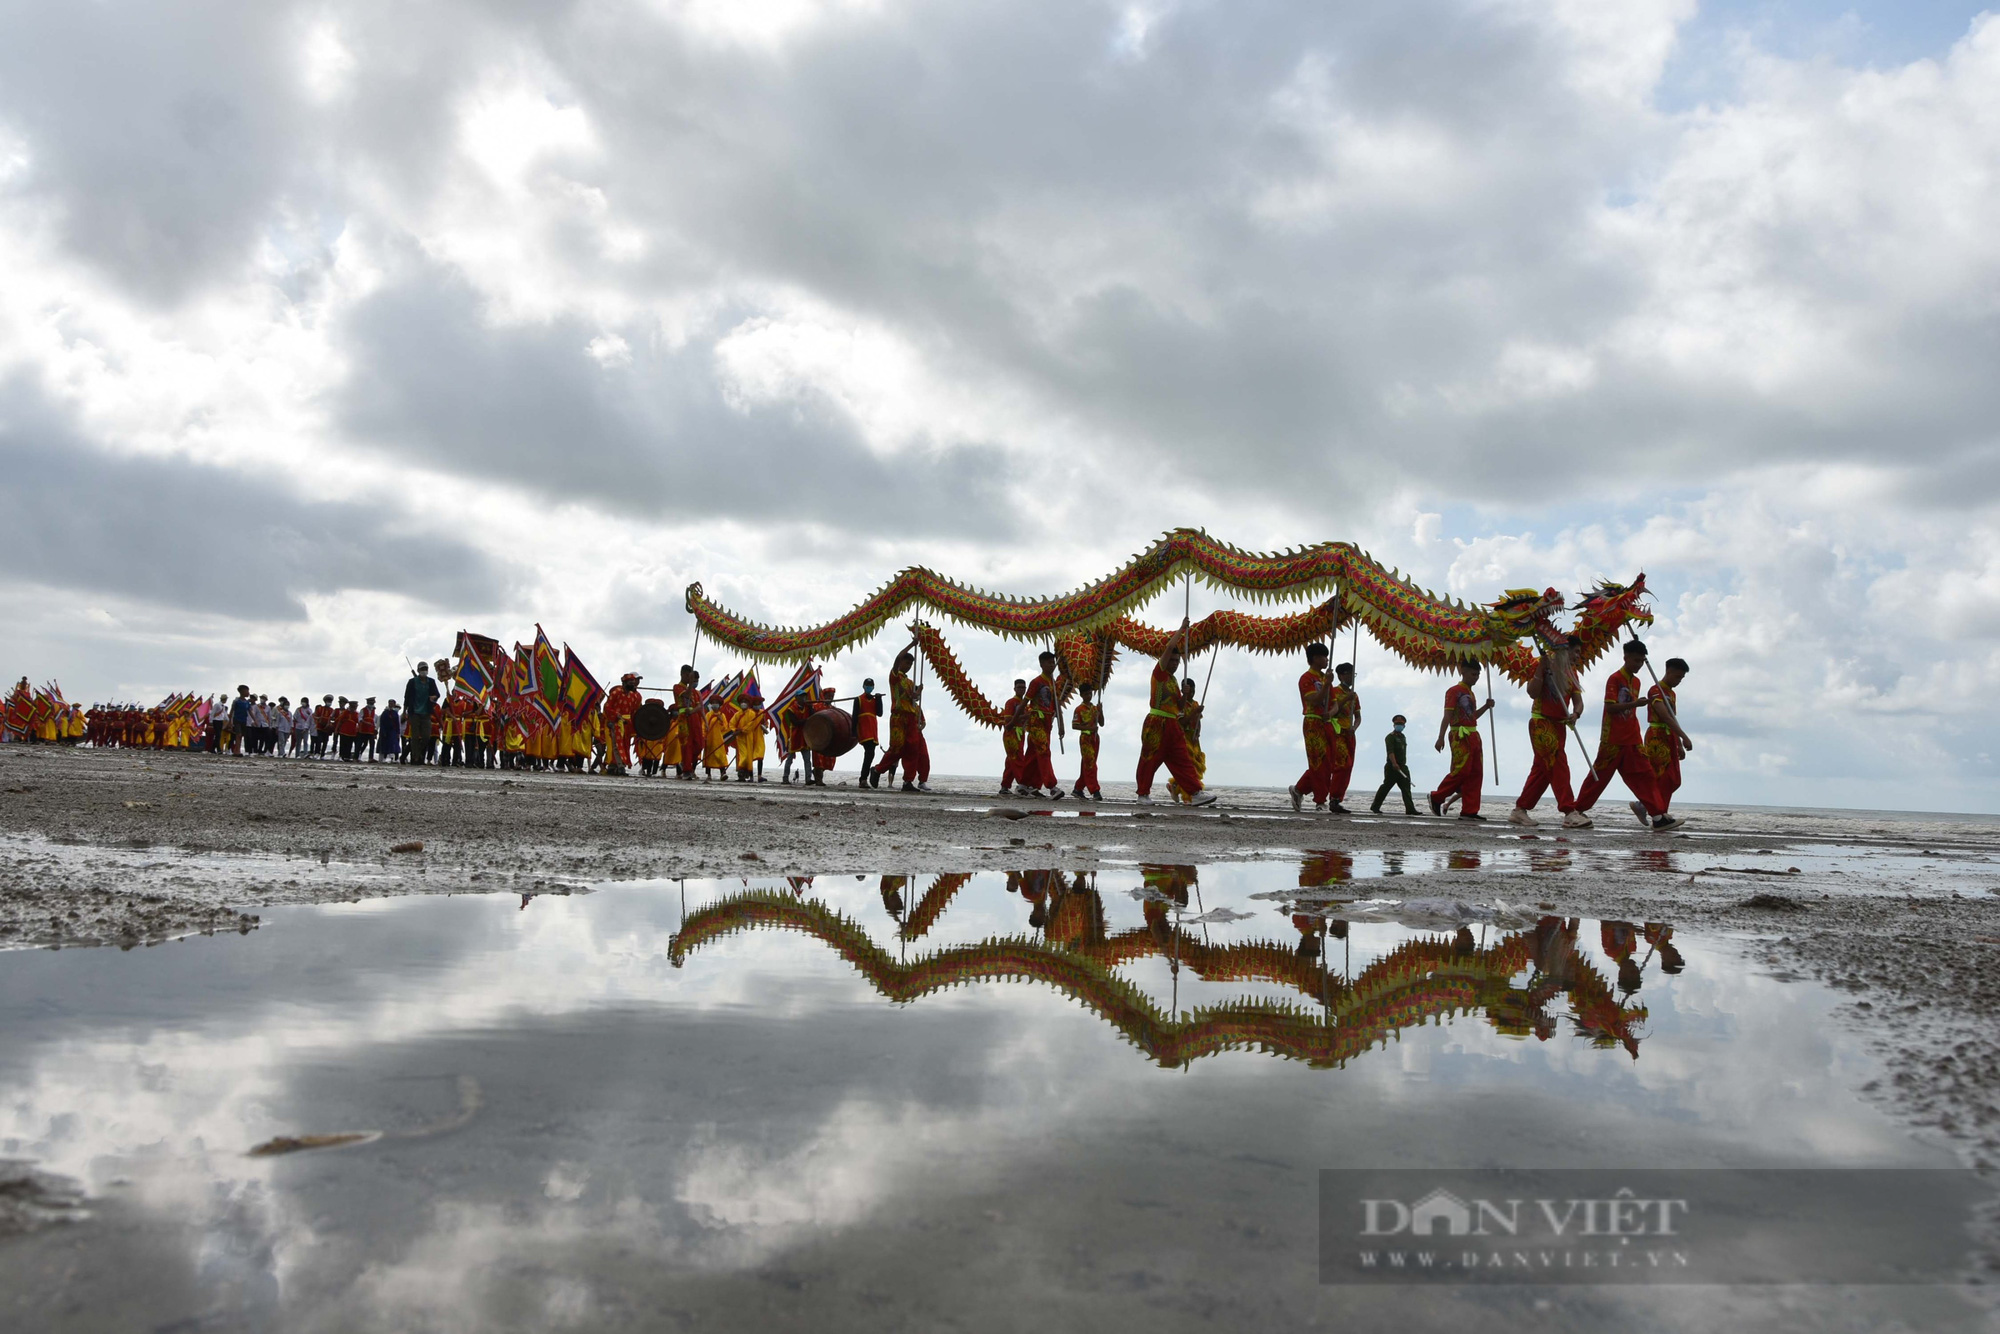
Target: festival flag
[
  {"x": 546, "y": 682},
  {"x": 580, "y": 691},
  {"x": 474, "y": 674},
  {"x": 524, "y": 673},
  {"x": 805, "y": 678}
]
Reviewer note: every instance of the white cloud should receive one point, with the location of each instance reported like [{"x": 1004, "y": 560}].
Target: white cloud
[{"x": 784, "y": 296}]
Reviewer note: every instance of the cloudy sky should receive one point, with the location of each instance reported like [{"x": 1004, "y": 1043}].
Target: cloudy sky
[{"x": 330, "y": 328}]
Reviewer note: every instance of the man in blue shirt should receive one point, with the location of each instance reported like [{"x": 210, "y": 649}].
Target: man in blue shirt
[{"x": 239, "y": 719}]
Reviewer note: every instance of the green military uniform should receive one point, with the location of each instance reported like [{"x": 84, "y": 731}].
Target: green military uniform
[{"x": 1395, "y": 773}]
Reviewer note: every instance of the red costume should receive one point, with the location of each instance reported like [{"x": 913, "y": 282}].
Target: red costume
[
  {"x": 1663, "y": 744},
  {"x": 1621, "y": 751},
  {"x": 1545, "y": 735},
  {"x": 1468, "y": 756},
  {"x": 1161, "y": 740},
  {"x": 621, "y": 704},
  {"x": 906, "y": 732},
  {"x": 1316, "y": 780},
  {"x": 1085, "y": 721},
  {"x": 1038, "y": 768}
]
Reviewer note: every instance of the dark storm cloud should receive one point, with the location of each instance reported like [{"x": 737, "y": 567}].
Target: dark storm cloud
[
  {"x": 434, "y": 382},
  {"x": 188, "y": 535}
]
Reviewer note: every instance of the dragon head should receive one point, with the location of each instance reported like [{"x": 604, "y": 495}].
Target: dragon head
[
  {"x": 1609, "y": 603},
  {"x": 1523, "y": 611}
]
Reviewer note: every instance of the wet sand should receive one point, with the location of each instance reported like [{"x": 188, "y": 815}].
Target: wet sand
[{"x": 126, "y": 848}]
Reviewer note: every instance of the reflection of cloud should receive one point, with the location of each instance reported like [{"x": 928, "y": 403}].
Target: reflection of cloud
[
  {"x": 959, "y": 1094},
  {"x": 759, "y": 1197}
]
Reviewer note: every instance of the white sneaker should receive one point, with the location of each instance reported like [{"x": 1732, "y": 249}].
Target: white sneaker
[
  {"x": 1638, "y": 809},
  {"x": 1521, "y": 817},
  {"x": 923, "y": 787},
  {"x": 1298, "y": 797},
  {"x": 1204, "y": 799},
  {"x": 1577, "y": 820},
  {"x": 1143, "y": 801},
  {"x": 1056, "y": 794},
  {"x": 1666, "y": 822}
]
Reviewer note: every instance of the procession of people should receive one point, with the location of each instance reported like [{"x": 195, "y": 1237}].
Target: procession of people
[{"x": 451, "y": 715}]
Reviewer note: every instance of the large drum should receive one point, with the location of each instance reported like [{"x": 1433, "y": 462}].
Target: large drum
[
  {"x": 652, "y": 722},
  {"x": 830, "y": 732}
]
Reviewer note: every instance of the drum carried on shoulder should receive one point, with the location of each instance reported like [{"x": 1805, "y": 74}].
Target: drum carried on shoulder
[{"x": 829, "y": 732}]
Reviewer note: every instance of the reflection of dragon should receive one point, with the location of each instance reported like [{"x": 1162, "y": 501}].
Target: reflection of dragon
[
  {"x": 1419, "y": 981},
  {"x": 1088, "y": 626}
]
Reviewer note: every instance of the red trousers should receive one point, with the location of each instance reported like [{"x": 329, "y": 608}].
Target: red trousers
[
  {"x": 1014, "y": 770},
  {"x": 1551, "y": 766},
  {"x": 1663, "y": 754},
  {"x": 1468, "y": 771},
  {"x": 1038, "y": 767},
  {"x": 1339, "y": 762},
  {"x": 1161, "y": 741},
  {"x": 1624, "y": 761},
  {"x": 1086, "y": 776},
  {"x": 1315, "y": 782},
  {"x": 906, "y": 744}
]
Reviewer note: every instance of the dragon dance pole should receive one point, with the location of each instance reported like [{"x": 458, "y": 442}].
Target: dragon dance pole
[{"x": 1492, "y": 737}]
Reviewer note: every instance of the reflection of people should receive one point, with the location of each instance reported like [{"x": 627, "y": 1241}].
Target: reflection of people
[
  {"x": 1395, "y": 768},
  {"x": 1462, "y": 712}
]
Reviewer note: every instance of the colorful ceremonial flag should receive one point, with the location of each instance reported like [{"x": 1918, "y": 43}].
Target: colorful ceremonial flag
[
  {"x": 546, "y": 681},
  {"x": 523, "y": 674},
  {"x": 805, "y": 678},
  {"x": 475, "y": 674},
  {"x": 580, "y": 691}
]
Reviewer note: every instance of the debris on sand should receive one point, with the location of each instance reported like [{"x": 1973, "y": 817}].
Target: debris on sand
[
  {"x": 31, "y": 1200},
  {"x": 283, "y": 1144},
  {"x": 749, "y": 857},
  {"x": 1774, "y": 903},
  {"x": 413, "y": 846}
]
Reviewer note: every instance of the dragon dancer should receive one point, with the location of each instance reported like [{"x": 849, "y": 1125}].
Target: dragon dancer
[
  {"x": 1085, "y": 722},
  {"x": 906, "y": 729},
  {"x": 1666, "y": 743},
  {"x": 1041, "y": 712},
  {"x": 1621, "y": 750},
  {"x": 1462, "y": 712},
  {"x": 1192, "y": 713},
  {"x": 1314, "y": 692},
  {"x": 1160, "y": 737},
  {"x": 1013, "y": 726},
  {"x": 1558, "y": 704},
  {"x": 1343, "y": 719}
]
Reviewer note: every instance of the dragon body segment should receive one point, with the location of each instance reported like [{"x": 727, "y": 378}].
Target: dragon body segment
[{"x": 1088, "y": 626}]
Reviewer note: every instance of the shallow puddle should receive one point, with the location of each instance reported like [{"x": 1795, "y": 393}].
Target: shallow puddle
[{"x": 993, "y": 1101}]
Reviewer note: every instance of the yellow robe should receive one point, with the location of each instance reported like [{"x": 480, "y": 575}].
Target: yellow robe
[
  {"x": 715, "y": 746},
  {"x": 749, "y": 738}
]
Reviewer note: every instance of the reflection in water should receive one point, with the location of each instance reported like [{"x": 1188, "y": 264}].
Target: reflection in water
[{"x": 1512, "y": 980}]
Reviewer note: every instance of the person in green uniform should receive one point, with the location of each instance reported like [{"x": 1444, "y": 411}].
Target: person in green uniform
[{"x": 1395, "y": 768}]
